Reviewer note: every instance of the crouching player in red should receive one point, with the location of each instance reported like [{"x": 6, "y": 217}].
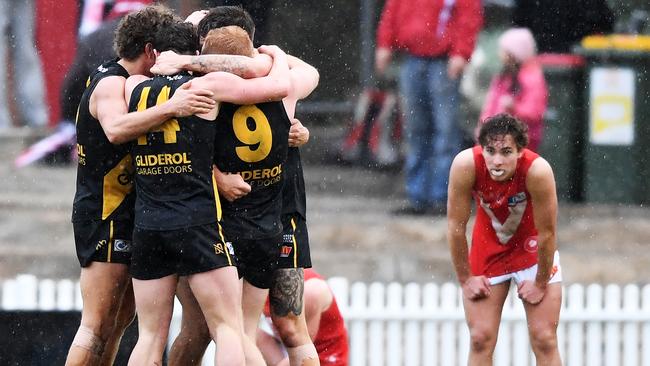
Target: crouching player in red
[{"x": 324, "y": 322}]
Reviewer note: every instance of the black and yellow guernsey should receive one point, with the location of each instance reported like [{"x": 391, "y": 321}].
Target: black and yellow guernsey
[
  {"x": 104, "y": 171},
  {"x": 173, "y": 164},
  {"x": 252, "y": 140},
  {"x": 294, "y": 197}
]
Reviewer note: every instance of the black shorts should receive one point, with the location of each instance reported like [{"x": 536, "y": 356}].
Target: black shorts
[
  {"x": 187, "y": 251},
  {"x": 294, "y": 252},
  {"x": 257, "y": 259},
  {"x": 105, "y": 241}
]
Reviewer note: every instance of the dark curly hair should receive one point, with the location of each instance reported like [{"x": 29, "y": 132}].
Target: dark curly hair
[
  {"x": 223, "y": 16},
  {"x": 139, "y": 28},
  {"x": 501, "y": 125}
]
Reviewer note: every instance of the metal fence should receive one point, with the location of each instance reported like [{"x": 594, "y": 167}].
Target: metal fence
[{"x": 414, "y": 324}]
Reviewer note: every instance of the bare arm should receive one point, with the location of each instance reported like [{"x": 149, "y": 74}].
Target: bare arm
[
  {"x": 109, "y": 105},
  {"x": 233, "y": 89},
  {"x": 459, "y": 204},
  {"x": 318, "y": 298},
  {"x": 461, "y": 181},
  {"x": 169, "y": 63},
  {"x": 541, "y": 186},
  {"x": 304, "y": 79}
]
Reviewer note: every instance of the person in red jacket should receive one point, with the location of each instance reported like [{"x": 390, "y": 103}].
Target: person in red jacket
[
  {"x": 324, "y": 322},
  {"x": 513, "y": 238},
  {"x": 519, "y": 89},
  {"x": 437, "y": 38}
]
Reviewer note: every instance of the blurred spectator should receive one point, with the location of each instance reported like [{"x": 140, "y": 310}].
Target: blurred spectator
[
  {"x": 92, "y": 50},
  {"x": 437, "y": 38},
  {"x": 519, "y": 89},
  {"x": 92, "y": 15},
  {"x": 17, "y": 31},
  {"x": 558, "y": 24}
]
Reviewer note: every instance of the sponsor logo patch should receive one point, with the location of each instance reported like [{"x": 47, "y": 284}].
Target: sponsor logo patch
[
  {"x": 285, "y": 251},
  {"x": 120, "y": 245},
  {"x": 287, "y": 238},
  {"x": 516, "y": 199},
  {"x": 231, "y": 249}
]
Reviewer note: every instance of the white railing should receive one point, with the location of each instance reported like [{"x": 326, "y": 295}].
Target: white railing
[{"x": 416, "y": 324}]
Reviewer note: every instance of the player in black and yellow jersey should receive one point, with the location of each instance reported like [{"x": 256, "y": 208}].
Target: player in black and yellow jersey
[
  {"x": 250, "y": 177},
  {"x": 253, "y": 143},
  {"x": 177, "y": 230},
  {"x": 103, "y": 205},
  {"x": 292, "y": 253}
]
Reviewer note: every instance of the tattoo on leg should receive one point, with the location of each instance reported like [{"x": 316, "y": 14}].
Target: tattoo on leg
[{"x": 286, "y": 294}]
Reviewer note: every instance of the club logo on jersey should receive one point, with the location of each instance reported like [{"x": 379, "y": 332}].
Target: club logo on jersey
[
  {"x": 531, "y": 244},
  {"x": 218, "y": 249},
  {"x": 100, "y": 244},
  {"x": 120, "y": 245},
  {"x": 285, "y": 251},
  {"x": 124, "y": 178}
]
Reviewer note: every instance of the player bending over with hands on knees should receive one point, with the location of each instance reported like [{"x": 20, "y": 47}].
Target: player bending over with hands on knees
[{"x": 513, "y": 238}]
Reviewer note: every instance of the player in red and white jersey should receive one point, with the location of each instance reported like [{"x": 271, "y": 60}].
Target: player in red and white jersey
[
  {"x": 324, "y": 322},
  {"x": 513, "y": 237}
]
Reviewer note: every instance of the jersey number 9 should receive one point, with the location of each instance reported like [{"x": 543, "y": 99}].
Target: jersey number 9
[{"x": 258, "y": 140}]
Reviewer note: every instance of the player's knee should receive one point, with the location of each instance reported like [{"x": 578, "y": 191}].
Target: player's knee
[
  {"x": 126, "y": 316},
  {"x": 482, "y": 340},
  {"x": 544, "y": 339},
  {"x": 89, "y": 340},
  {"x": 101, "y": 326},
  {"x": 292, "y": 330}
]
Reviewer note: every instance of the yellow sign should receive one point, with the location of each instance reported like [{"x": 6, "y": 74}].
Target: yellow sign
[{"x": 611, "y": 106}]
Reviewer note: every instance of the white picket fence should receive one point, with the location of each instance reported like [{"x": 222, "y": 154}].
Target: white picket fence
[{"x": 417, "y": 324}]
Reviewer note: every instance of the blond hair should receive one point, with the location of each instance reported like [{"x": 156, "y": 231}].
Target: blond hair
[{"x": 230, "y": 40}]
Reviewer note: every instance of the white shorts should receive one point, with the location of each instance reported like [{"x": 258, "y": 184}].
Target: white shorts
[{"x": 530, "y": 273}]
